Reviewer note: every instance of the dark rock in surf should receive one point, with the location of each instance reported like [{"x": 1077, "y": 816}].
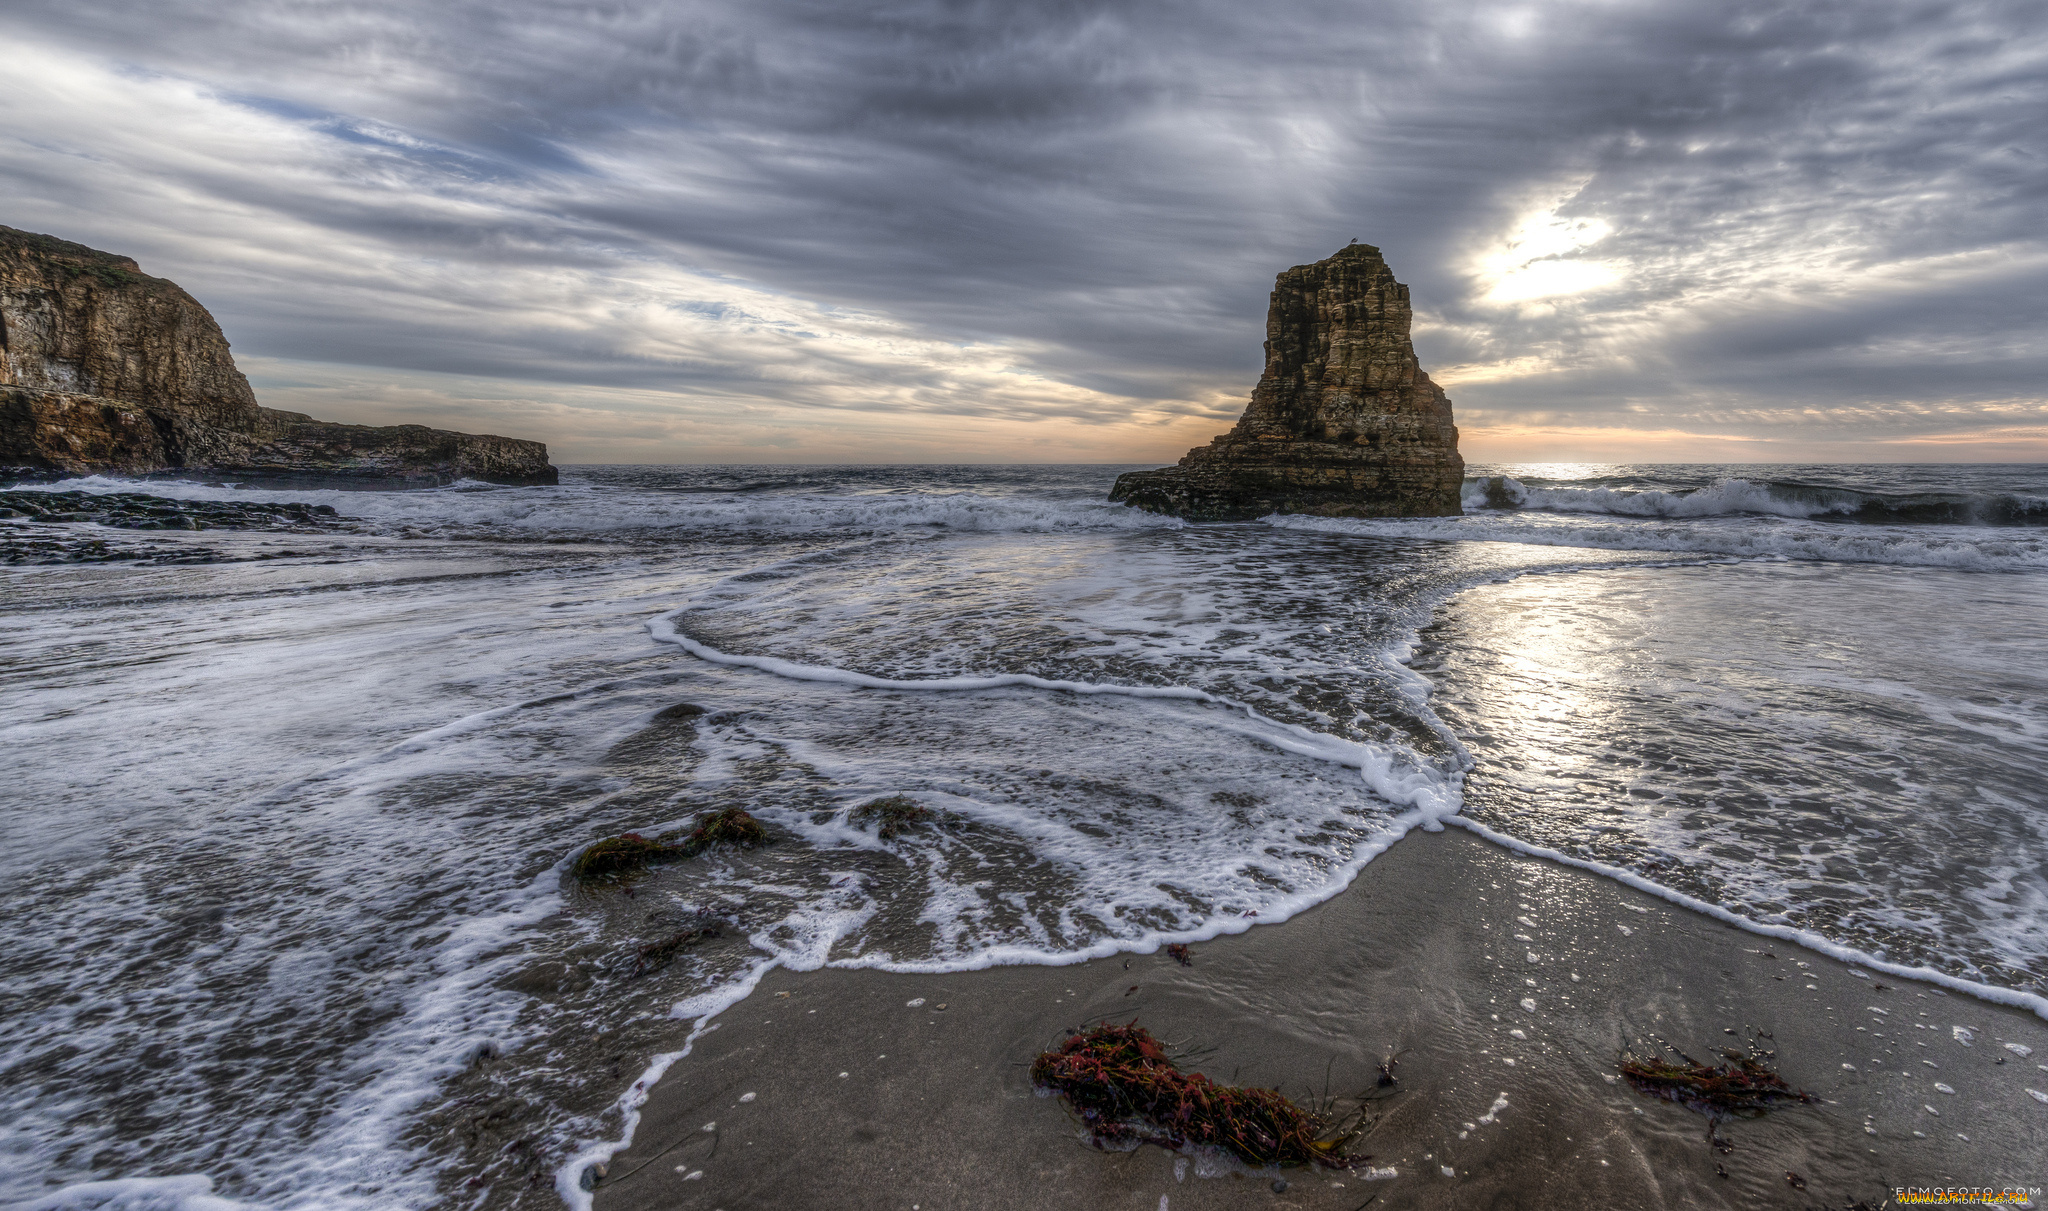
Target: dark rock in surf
[
  {"x": 143, "y": 511},
  {"x": 1343, "y": 422},
  {"x": 624, "y": 854},
  {"x": 654, "y": 956},
  {"x": 50, "y": 531},
  {"x": 892, "y": 815},
  {"x": 104, "y": 369},
  {"x": 630, "y": 853},
  {"x": 733, "y": 826}
]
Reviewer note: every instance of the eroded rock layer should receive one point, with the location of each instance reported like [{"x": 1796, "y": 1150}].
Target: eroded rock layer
[
  {"x": 1343, "y": 422},
  {"x": 104, "y": 369}
]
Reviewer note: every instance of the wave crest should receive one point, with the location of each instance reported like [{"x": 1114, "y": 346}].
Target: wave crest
[
  {"x": 470, "y": 509},
  {"x": 1900, "y": 545},
  {"x": 1779, "y": 498}
]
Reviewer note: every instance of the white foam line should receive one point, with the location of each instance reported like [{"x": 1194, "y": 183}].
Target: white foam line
[
  {"x": 184, "y": 1192},
  {"x": 569, "y": 1178},
  {"x": 1285, "y": 910},
  {"x": 448, "y": 731},
  {"x": 1418, "y": 787},
  {"x": 2038, "y": 1005},
  {"x": 665, "y": 630}
]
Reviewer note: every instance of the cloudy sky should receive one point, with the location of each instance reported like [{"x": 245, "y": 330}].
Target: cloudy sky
[{"x": 1021, "y": 231}]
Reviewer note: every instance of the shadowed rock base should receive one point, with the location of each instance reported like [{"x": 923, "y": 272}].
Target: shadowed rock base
[
  {"x": 1219, "y": 490},
  {"x": 1343, "y": 423},
  {"x": 51, "y": 434}
]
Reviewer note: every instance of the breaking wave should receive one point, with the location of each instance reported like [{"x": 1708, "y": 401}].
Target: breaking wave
[
  {"x": 1792, "y": 538},
  {"x": 584, "y": 511},
  {"x": 1780, "y": 498}
]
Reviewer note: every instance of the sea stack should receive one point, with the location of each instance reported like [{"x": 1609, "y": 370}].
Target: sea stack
[
  {"x": 104, "y": 369},
  {"x": 1343, "y": 423}
]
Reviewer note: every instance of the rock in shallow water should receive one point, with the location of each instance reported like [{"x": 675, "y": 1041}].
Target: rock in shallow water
[
  {"x": 1343, "y": 423},
  {"x": 44, "y": 531}
]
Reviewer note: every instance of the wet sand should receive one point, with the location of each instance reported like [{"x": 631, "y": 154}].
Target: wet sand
[{"x": 831, "y": 1089}]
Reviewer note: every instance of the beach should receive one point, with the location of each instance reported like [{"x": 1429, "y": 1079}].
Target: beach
[
  {"x": 299, "y": 801},
  {"x": 1434, "y": 956}
]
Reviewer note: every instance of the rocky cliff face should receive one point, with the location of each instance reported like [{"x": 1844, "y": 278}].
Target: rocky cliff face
[
  {"x": 106, "y": 369},
  {"x": 1343, "y": 422}
]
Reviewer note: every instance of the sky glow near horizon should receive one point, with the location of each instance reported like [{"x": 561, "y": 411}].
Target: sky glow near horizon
[{"x": 1635, "y": 230}]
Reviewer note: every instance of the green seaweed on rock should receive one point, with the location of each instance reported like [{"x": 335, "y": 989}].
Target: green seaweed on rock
[
  {"x": 896, "y": 813},
  {"x": 630, "y": 853},
  {"x": 621, "y": 855},
  {"x": 733, "y": 826}
]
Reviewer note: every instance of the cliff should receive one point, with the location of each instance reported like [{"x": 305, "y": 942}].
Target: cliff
[
  {"x": 1343, "y": 423},
  {"x": 106, "y": 369}
]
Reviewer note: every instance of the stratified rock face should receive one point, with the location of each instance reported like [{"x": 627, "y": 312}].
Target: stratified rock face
[
  {"x": 106, "y": 369},
  {"x": 1343, "y": 423},
  {"x": 84, "y": 322}
]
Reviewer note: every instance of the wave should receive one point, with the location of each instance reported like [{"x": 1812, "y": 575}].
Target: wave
[
  {"x": 1397, "y": 775},
  {"x": 1780, "y": 498},
  {"x": 581, "y": 511},
  {"x": 185, "y": 1192},
  {"x": 1903, "y": 546}
]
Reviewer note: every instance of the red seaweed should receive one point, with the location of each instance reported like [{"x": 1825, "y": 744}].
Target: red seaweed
[
  {"x": 1125, "y": 1088},
  {"x": 1745, "y": 1087}
]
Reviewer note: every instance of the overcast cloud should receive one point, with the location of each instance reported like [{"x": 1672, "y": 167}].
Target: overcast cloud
[{"x": 811, "y": 232}]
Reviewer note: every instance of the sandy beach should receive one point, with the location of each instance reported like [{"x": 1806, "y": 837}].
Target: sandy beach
[{"x": 854, "y": 1088}]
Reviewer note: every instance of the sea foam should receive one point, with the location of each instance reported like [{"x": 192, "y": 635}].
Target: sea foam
[
  {"x": 1973, "y": 549},
  {"x": 596, "y": 512}
]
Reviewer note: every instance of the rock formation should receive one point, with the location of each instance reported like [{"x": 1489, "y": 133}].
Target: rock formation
[
  {"x": 1343, "y": 423},
  {"x": 106, "y": 369}
]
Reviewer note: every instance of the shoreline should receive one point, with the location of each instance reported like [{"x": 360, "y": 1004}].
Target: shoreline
[
  {"x": 1517, "y": 1097},
  {"x": 2014, "y": 998}
]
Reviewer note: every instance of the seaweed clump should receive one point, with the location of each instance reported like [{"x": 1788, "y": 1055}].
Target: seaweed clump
[
  {"x": 628, "y": 853},
  {"x": 1121, "y": 1083},
  {"x": 733, "y": 826},
  {"x": 1745, "y": 1087},
  {"x": 621, "y": 855},
  {"x": 896, "y": 813}
]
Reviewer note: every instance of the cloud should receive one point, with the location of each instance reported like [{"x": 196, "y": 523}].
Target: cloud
[{"x": 1031, "y": 218}]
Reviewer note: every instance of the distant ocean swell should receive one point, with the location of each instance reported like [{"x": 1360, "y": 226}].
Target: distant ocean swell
[
  {"x": 1897, "y": 546},
  {"x": 1778, "y": 498},
  {"x": 585, "y": 511}
]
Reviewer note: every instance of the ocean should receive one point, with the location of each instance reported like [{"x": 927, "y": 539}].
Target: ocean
[{"x": 289, "y": 811}]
